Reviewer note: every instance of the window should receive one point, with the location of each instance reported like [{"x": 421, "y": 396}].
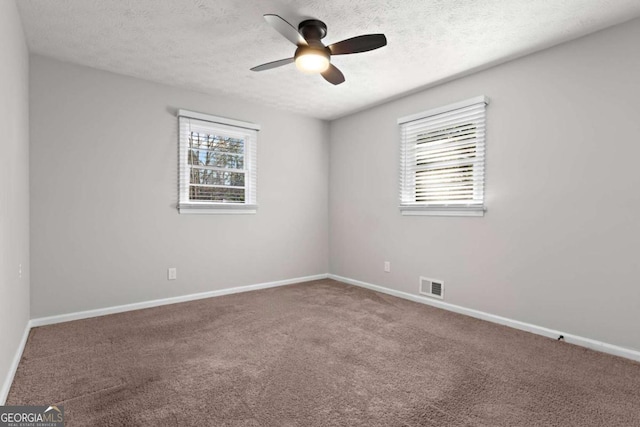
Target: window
[
  {"x": 217, "y": 164},
  {"x": 442, "y": 160}
]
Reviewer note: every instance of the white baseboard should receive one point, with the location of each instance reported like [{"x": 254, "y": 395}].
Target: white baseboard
[
  {"x": 4, "y": 392},
  {"x": 42, "y": 321},
  {"x": 539, "y": 330}
]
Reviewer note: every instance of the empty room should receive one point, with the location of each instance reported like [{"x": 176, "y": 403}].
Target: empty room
[{"x": 289, "y": 213}]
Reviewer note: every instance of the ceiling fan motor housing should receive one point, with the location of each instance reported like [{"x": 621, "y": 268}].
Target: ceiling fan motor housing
[{"x": 312, "y": 29}]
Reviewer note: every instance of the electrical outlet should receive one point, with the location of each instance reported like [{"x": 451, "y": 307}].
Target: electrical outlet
[
  {"x": 172, "y": 273},
  {"x": 387, "y": 267}
]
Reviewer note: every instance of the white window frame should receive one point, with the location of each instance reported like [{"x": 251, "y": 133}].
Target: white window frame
[
  {"x": 472, "y": 110},
  {"x": 189, "y": 121}
]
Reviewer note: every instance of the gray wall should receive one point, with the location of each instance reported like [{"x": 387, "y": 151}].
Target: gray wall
[
  {"x": 558, "y": 246},
  {"x": 14, "y": 185},
  {"x": 104, "y": 227}
]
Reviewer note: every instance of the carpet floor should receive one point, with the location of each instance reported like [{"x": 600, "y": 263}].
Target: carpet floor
[{"x": 318, "y": 354}]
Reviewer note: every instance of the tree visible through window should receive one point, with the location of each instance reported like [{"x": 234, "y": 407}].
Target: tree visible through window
[
  {"x": 217, "y": 164},
  {"x": 217, "y": 168}
]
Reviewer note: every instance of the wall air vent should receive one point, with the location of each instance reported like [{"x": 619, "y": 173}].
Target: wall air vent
[{"x": 432, "y": 287}]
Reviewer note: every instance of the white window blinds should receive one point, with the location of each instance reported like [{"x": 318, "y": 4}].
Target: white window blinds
[
  {"x": 218, "y": 164},
  {"x": 442, "y": 160}
]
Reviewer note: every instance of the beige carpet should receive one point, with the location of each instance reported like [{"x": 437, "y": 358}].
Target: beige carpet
[{"x": 318, "y": 354}]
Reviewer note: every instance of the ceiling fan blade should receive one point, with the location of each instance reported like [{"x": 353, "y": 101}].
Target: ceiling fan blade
[
  {"x": 274, "y": 64},
  {"x": 333, "y": 75},
  {"x": 286, "y": 29},
  {"x": 358, "y": 44}
]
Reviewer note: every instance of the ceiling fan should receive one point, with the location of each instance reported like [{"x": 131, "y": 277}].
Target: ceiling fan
[{"x": 312, "y": 56}]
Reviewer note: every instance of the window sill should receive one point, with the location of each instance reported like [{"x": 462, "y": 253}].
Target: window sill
[
  {"x": 441, "y": 211},
  {"x": 216, "y": 209}
]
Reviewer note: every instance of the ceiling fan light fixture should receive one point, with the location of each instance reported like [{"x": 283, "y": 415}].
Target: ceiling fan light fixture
[{"x": 312, "y": 60}]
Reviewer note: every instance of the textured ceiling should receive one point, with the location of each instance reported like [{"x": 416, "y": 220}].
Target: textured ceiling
[{"x": 209, "y": 45}]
